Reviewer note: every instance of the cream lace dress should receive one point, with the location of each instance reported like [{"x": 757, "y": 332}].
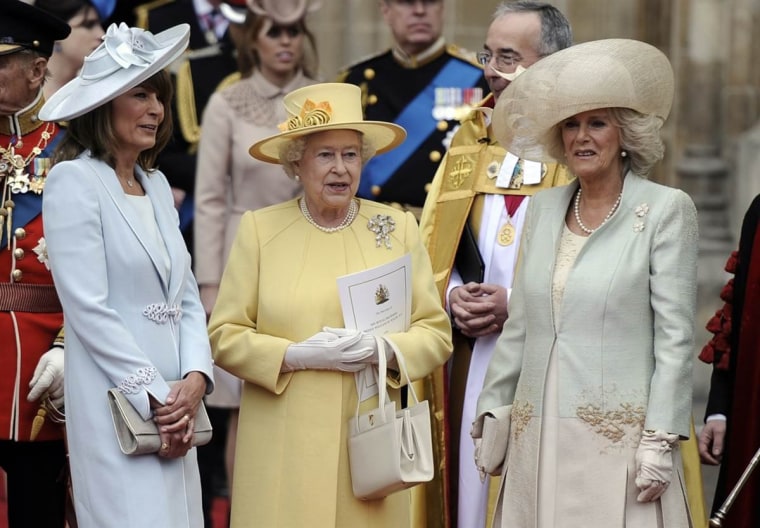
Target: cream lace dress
[{"x": 569, "y": 247}]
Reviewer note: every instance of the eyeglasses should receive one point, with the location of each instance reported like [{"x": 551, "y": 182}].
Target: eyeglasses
[
  {"x": 276, "y": 32},
  {"x": 503, "y": 60}
]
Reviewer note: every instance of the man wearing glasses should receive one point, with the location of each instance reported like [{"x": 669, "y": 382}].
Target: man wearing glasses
[
  {"x": 422, "y": 84},
  {"x": 471, "y": 224}
]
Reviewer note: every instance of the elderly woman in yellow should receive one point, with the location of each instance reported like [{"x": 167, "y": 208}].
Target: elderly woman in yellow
[{"x": 276, "y": 323}]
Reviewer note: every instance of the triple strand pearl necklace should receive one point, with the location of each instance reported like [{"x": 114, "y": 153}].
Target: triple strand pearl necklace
[
  {"x": 577, "y": 210},
  {"x": 353, "y": 208}
]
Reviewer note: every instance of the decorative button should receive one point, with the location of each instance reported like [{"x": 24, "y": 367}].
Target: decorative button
[
  {"x": 435, "y": 156},
  {"x": 18, "y": 253},
  {"x": 442, "y": 126},
  {"x": 369, "y": 74},
  {"x": 372, "y": 99},
  {"x": 376, "y": 190},
  {"x": 427, "y": 187},
  {"x": 20, "y": 233},
  {"x": 17, "y": 275}
]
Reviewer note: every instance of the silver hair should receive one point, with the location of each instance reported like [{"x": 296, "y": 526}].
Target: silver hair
[
  {"x": 639, "y": 138},
  {"x": 292, "y": 152},
  {"x": 556, "y": 33}
]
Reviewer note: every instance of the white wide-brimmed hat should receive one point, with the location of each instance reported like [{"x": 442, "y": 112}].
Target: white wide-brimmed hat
[
  {"x": 322, "y": 107},
  {"x": 610, "y": 73},
  {"x": 127, "y": 57}
]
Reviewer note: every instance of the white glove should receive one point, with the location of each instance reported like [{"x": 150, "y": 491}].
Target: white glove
[
  {"x": 327, "y": 351},
  {"x": 654, "y": 464},
  {"x": 48, "y": 377},
  {"x": 365, "y": 342}
]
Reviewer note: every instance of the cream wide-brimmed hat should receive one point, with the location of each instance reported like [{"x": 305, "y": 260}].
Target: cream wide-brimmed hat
[
  {"x": 127, "y": 57},
  {"x": 322, "y": 107},
  {"x": 610, "y": 73},
  {"x": 281, "y": 12}
]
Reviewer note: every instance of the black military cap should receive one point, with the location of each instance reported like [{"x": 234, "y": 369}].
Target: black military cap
[{"x": 25, "y": 26}]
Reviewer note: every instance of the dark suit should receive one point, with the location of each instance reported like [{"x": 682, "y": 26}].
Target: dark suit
[{"x": 389, "y": 88}]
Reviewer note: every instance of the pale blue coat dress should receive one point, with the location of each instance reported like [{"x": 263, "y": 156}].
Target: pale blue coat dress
[{"x": 133, "y": 319}]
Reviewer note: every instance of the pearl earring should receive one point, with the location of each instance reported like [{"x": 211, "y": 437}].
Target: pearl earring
[
  {"x": 297, "y": 178},
  {"x": 623, "y": 153}
]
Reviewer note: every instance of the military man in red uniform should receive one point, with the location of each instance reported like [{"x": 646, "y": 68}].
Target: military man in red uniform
[{"x": 31, "y": 339}]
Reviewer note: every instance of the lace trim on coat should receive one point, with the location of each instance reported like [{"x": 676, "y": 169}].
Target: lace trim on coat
[
  {"x": 160, "y": 313},
  {"x": 132, "y": 384},
  {"x": 251, "y": 106}
]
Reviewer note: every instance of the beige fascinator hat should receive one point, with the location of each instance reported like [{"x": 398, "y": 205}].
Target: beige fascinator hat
[
  {"x": 281, "y": 12},
  {"x": 611, "y": 73},
  {"x": 127, "y": 57},
  {"x": 322, "y": 107}
]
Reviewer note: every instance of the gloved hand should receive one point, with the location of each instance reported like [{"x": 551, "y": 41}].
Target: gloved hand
[
  {"x": 365, "y": 342},
  {"x": 654, "y": 464},
  {"x": 48, "y": 377},
  {"x": 327, "y": 351}
]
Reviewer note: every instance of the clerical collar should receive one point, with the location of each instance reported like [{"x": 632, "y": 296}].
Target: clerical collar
[
  {"x": 415, "y": 61},
  {"x": 25, "y": 120}
]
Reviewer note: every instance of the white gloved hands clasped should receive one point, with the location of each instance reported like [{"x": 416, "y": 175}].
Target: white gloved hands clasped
[
  {"x": 48, "y": 377},
  {"x": 327, "y": 351},
  {"x": 654, "y": 464}
]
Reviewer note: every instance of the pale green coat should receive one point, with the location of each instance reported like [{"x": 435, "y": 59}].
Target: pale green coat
[
  {"x": 279, "y": 287},
  {"x": 624, "y": 346}
]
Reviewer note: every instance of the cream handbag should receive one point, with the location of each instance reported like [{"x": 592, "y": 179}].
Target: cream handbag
[
  {"x": 389, "y": 449},
  {"x": 140, "y": 437},
  {"x": 492, "y": 427}
]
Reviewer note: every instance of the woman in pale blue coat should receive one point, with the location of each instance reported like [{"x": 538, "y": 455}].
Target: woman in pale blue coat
[
  {"x": 133, "y": 318},
  {"x": 595, "y": 358}
]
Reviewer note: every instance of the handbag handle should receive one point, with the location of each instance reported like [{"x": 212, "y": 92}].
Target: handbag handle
[{"x": 382, "y": 371}]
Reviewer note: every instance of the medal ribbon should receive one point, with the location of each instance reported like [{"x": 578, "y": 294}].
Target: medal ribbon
[{"x": 512, "y": 203}]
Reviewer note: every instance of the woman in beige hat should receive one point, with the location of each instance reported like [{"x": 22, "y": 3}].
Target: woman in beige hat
[
  {"x": 275, "y": 56},
  {"x": 595, "y": 358},
  {"x": 133, "y": 317},
  {"x": 277, "y": 320}
]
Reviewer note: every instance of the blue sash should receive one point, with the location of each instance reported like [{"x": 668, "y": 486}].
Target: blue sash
[
  {"x": 417, "y": 119},
  {"x": 28, "y": 205}
]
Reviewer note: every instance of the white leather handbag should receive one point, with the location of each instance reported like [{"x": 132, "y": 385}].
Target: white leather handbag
[{"x": 388, "y": 449}]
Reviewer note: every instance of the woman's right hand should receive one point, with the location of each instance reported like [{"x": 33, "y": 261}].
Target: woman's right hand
[{"x": 327, "y": 351}]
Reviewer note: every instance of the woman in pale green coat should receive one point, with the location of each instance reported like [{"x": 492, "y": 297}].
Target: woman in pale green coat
[
  {"x": 595, "y": 358},
  {"x": 277, "y": 295}
]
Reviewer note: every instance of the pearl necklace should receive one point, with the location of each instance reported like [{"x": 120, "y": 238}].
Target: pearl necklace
[
  {"x": 352, "y": 210},
  {"x": 577, "y": 210}
]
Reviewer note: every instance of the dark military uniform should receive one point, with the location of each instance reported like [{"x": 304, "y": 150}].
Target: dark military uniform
[
  {"x": 425, "y": 96},
  {"x": 208, "y": 63}
]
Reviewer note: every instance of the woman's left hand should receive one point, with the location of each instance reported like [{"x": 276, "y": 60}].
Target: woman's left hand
[{"x": 177, "y": 416}]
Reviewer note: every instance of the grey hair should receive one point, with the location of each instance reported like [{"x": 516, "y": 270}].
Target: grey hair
[
  {"x": 556, "y": 33},
  {"x": 639, "y": 138},
  {"x": 292, "y": 151}
]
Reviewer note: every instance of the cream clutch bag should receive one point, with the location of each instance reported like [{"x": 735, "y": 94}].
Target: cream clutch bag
[{"x": 140, "y": 437}]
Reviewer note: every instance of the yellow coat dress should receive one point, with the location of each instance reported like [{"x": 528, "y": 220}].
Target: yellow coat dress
[{"x": 279, "y": 287}]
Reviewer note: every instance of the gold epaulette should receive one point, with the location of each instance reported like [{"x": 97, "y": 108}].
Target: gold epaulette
[
  {"x": 187, "y": 113},
  {"x": 463, "y": 54},
  {"x": 348, "y": 69},
  {"x": 141, "y": 12}
]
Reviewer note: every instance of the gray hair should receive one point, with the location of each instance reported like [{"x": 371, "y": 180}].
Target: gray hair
[
  {"x": 555, "y": 28},
  {"x": 292, "y": 151},
  {"x": 639, "y": 138}
]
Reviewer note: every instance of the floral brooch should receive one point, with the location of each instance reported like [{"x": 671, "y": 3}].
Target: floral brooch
[
  {"x": 382, "y": 226},
  {"x": 641, "y": 211}
]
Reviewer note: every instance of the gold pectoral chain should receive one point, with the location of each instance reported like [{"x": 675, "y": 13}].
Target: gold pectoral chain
[{"x": 13, "y": 167}]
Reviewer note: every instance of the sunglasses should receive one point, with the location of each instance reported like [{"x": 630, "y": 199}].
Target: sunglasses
[{"x": 276, "y": 32}]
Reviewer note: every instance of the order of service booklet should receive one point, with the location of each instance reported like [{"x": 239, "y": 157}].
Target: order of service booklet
[{"x": 377, "y": 301}]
